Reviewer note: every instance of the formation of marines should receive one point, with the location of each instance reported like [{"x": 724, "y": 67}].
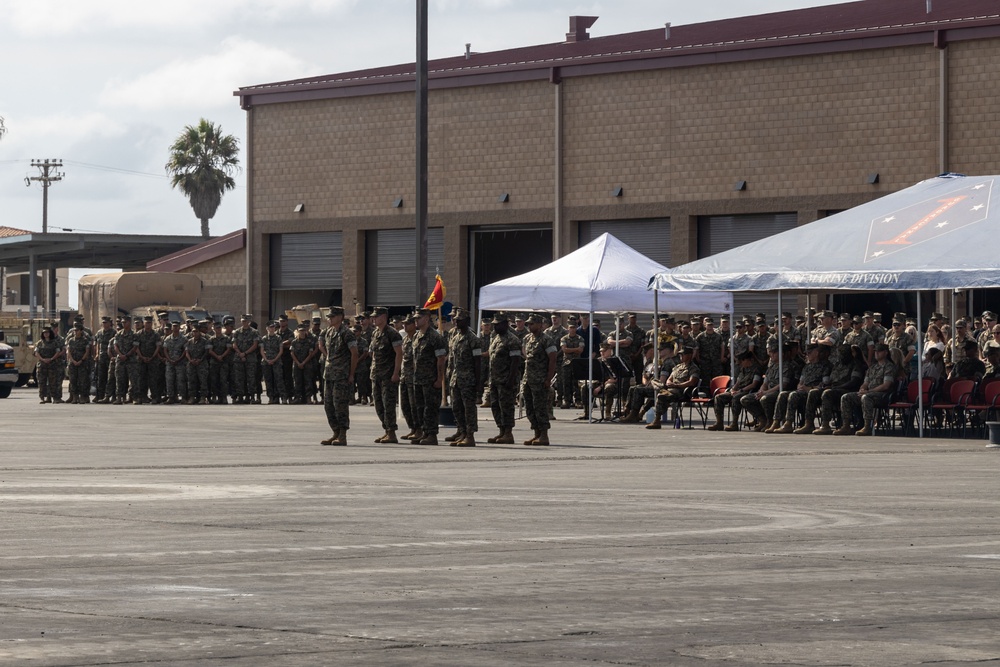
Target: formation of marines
[{"x": 834, "y": 369}]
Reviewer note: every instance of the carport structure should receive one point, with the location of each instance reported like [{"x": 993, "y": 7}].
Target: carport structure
[{"x": 129, "y": 252}]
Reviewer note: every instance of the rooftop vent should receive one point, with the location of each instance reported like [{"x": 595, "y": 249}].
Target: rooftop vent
[{"x": 578, "y": 26}]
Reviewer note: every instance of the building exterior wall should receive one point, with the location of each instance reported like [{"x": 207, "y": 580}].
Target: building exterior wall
[
  {"x": 223, "y": 283},
  {"x": 803, "y": 131}
]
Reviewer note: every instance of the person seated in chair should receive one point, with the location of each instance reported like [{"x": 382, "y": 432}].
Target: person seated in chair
[
  {"x": 748, "y": 378},
  {"x": 875, "y": 391},
  {"x": 685, "y": 376},
  {"x": 642, "y": 396},
  {"x": 970, "y": 367},
  {"x": 815, "y": 375}
]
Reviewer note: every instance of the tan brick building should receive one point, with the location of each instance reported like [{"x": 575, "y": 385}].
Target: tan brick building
[
  {"x": 682, "y": 141},
  {"x": 221, "y": 264}
]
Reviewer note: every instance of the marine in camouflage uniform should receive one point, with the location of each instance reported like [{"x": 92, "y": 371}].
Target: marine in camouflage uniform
[
  {"x": 815, "y": 374},
  {"x": 78, "y": 354},
  {"x": 683, "y": 377},
  {"x": 485, "y": 336},
  {"x": 875, "y": 391},
  {"x": 302, "y": 351},
  {"x": 175, "y": 364},
  {"x": 198, "y": 365},
  {"x": 102, "y": 344},
  {"x": 341, "y": 350},
  {"x": 464, "y": 367},
  {"x": 246, "y": 340},
  {"x": 846, "y": 377},
  {"x": 572, "y": 348},
  {"x": 539, "y": 369},
  {"x": 362, "y": 378},
  {"x": 48, "y": 368},
  {"x": 407, "y": 396},
  {"x": 430, "y": 353},
  {"x": 386, "y": 348},
  {"x": 272, "y": 348},
  {"x": 555, "y": 334},
  {"x": 708, "y": 352},
  {"x": 287, "y": 335},
  {"x": 761, "y": 403},
  {"x": 150, "y": 382},
  {"x": 126, "y": 346},
  {"x": 505, "y": 369},
  {"x": 748, "y": 378},
  {"x": 220, "y": 357}
]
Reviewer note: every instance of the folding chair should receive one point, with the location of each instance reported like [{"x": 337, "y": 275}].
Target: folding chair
[
  {"x": 905, "y": 409},
  {"x": 950, "y": 402},
  {"x": 703, "y": 402},
  {"x": 985, "y": 401}
]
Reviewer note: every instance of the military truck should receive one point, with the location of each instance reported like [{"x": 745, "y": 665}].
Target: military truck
[
  {"x": 20, "y": 335},
  {"x": 137, "y": 293},
  {"x": 8, "y": 374}
]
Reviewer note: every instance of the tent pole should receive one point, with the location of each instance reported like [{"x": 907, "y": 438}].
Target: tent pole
[
  {"x": 951, "y": 338},
  {"x": 732, "y": 344},
  {"x": 920, "y": 368},
  {"x": 656, "y": 333},
  {"x": 781, "y": 344},
  {"x": 589, "y": 405}
]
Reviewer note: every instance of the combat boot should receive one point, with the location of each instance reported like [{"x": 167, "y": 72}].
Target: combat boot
[
  {"x": 542, "y": 439},
  {"x": 867, "y": 429},
  {"x": 429, "y": 439},
  {"x": 341, "y": 439},
  {"x": 805, "y": 429},
  {"x": 507, "y": 438},
  {"x": 409, "y": 435},
  {"x": 418, "y": 435},
  {"x": 787, "y": 427},
  {"x": 844, "y": 430},
  {"x": 332, "y": 438},
  {"x": 455, "y": 437},
  {"x": 824, "y": 429},
  {"x": 762, "y": 426},
  {"x": 717, "y": 426},
  {"x": 655, "y": 424},
  {"x": 381, "y": 438},
  {"x": 531, "y": 439},
  {"x": 631, "y": 418},
  {"x": 468, "y": 441},
  {"x": 495, "y": 438},
  {"x": 390, "y": 438},
  {"x": 734, "y": 426}
]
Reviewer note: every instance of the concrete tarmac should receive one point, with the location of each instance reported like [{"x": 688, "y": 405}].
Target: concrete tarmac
[{"x": 226, "y": 535}]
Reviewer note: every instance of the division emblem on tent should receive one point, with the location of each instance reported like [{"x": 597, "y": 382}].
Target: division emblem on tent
[{"x": 928, "y": 220}]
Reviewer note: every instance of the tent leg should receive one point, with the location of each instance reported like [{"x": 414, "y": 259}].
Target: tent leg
[
  {"x": 589, "y": 405},
  {"x": 656, "y": 332},
  {"x": 781, "y": 345},
  {"x": 920, "y": 369}
]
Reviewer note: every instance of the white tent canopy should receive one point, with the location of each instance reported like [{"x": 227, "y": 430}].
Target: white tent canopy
[
  {"x": 604, "y": 276},
  {"x": 937, "y": 234}
]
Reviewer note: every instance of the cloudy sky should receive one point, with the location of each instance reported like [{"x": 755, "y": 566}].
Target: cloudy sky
[{"x": 106, "y": 85}]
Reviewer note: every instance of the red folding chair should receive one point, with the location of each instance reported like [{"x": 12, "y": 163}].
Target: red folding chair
[
  {"x": 907, "y": 409},
  {"x": 703, "y": 403},
  {"x": 950, "y": 401},
  {"x": 985, "y": 401}
]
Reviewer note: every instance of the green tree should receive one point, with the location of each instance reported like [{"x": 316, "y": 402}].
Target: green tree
[{"x": 202, "y": 163}]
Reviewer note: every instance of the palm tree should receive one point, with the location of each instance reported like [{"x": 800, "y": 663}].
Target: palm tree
[
  {"x": 3, "y": 128},
  {"x": 202, "y": 161}
]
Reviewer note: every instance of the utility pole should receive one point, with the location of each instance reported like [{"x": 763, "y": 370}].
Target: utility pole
[{"x": 49, "y": 175}]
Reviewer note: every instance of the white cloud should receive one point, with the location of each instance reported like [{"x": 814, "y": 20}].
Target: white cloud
[
  {"x": 62, "y": 17},
  {"x": 207, "y": 81},
  {"x": 51, "y": 132}
]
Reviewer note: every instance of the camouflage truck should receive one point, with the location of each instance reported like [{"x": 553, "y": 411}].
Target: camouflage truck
[
  {"x": 20, "y": 335},
  {"x": 306, "y": 312},
  {"x": 137, "y": 293}
]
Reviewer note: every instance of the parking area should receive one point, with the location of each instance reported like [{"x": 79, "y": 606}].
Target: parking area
[{"x": 226, "y": 535}]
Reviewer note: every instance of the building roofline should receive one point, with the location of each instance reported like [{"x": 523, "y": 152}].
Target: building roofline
[
  {"x": 852, "y": 26},
  {"x": 198, "y": 254}
]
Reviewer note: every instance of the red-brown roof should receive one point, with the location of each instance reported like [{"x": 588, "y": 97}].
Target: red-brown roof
[
  {"x": 11, "y": 231},
  {"x": 198, "y": 254},
  {"x": 849, "y": 21}
]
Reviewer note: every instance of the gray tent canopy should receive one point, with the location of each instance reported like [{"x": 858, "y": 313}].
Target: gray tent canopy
[{"x": 937, "y": 234}]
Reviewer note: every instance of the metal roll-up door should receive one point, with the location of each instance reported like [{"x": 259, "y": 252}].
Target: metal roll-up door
[
  {"x": 390, "y": 260},
  {"x": 307, "y": 261},
  {"x": 718, "y": 233},
  {"x": 651, "y": 236}
]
